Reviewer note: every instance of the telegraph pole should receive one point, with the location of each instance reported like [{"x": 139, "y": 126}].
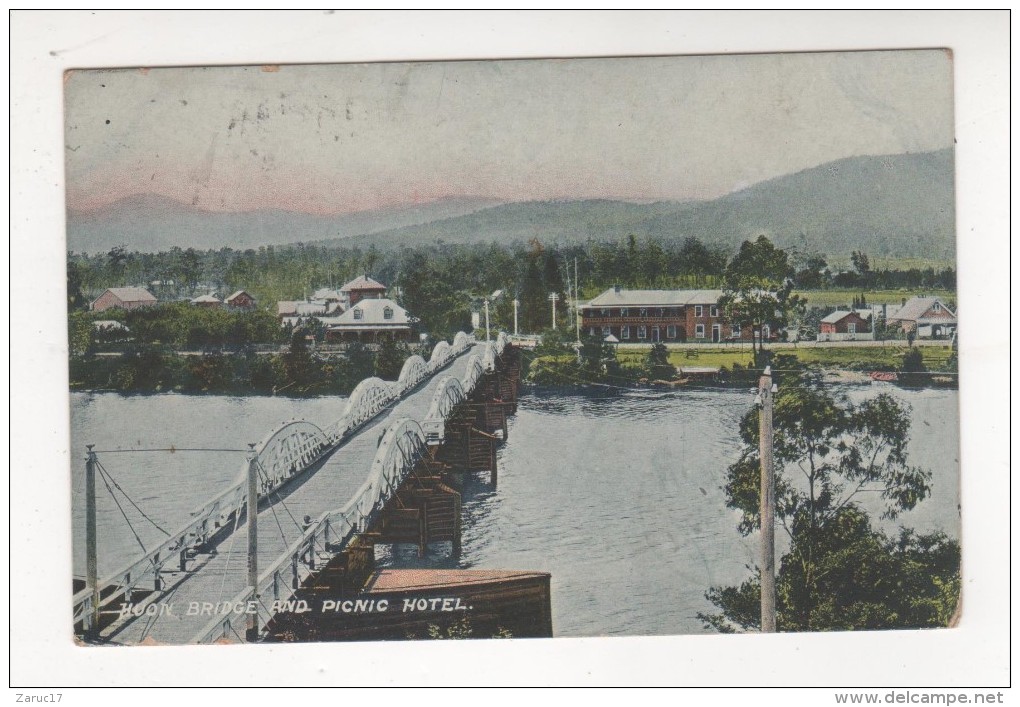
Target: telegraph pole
[
  {"x": 766, "y": 392},
  {"x": 252, "y": 633},
  {"x": 577, "y": 317},
  {"x": 91, "y": 619},
  {"x": 552, "y": 298}
]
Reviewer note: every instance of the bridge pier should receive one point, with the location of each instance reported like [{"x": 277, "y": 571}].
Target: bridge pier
[{"x": 423, "y": 511}]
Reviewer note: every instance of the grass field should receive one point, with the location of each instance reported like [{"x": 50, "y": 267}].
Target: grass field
[
  {"x": 843, "y": 298},
  {"x": 859, "y": 358}
]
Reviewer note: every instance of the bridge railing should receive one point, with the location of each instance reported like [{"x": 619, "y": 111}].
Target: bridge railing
[
  {"x": 473, "y": 374},
  {"x": 399, "y": 451},
  {"x": 370, "y": 397},
  {"x": 415, "y": 370},
  {"x": 448, "y": 395},
  {"x": 205, "y": 520}
]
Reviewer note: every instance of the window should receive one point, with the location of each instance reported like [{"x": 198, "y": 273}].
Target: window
[
  {"x": 713, "y": 311},
  {"x": 606, "y": 331},
  {"x": 591, "y": 331},
  {"x": 358, "y": 314},
  {"x": 699, "y": 331},
  {"x": 936, "y": 307},
  {"x": 388, "y": 313},
  {"x": 671, "y": 331},
  {"x": 851, "y": 328},
  {"x": 766, "y": 331},
  {"x": 642, "y": 332},
  {"x": 604, "y": 312},
  {"x": 644, "y": 312},
  {"x": 699, "y": 311},
  {"x": 623, "y": 312},
  {"x": 662, "y": 312},
  {"x": 625, "y": 332},
  {"x": 735, "y": 331}
]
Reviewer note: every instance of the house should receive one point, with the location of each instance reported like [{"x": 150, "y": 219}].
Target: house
[
  {"x": 360, "y": 288},
  {"x": 927, "y": 317},
  {"x": 293, "y": 313},
  {"x": 843, "y": 325},
  {"x": 326, "y": 294},
  {"x": 123, "y": 298},
  {"x": 208, "y": 301},
  {"x": 651, "y": 316},
  {"x": 372, "y": 320},
  {"x": 240, "y": 300}
]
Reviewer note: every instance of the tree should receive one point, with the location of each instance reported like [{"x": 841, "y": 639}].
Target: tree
[
  {"x": 390, "y": 360},
  {"x": 839, "y": 572},
  {"x": 912, "y": 369},
  {"x": 300, "y": 369},
  {"x": 758, "y": 288},
  {"x": 859, "y": 259},
  {"x": 657, "y": 363}
]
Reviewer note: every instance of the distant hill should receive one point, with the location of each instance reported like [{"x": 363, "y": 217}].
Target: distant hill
[
  {"x": 891, "y": 205},
  {"x": 888, "y": 206},
  {"x": 151, "y": 223}
]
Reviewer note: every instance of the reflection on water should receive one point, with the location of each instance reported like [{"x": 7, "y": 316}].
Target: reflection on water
[{"x": 618, "y": 494}]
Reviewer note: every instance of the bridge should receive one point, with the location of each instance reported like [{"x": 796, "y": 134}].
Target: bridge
[{"x": 322, "y": 496}]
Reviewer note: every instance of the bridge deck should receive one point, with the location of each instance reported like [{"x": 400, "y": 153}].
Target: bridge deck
[{"x": 222, "y": 573}]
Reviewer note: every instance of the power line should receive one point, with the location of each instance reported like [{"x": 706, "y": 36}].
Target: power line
[{"x": 171, "y": 450}]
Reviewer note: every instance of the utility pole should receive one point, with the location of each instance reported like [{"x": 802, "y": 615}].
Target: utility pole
[
  {"x": 577, "y": 317},
  {"x": 486, "y": 318},
  {"x": 552, "y": 298},
  {"x": 91, "y": 619},
  {"x": 766, "y": 393},
  {"x": 252, "y": 633},
  {"x": 517, "y": 303}
]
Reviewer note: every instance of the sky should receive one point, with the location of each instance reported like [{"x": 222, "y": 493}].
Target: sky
[{"x": 342, "y": 138}]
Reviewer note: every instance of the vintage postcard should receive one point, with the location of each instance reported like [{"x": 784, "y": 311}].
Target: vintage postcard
[{"x": 513, "y": 349}]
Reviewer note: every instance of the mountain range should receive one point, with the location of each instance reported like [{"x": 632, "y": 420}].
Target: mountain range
[{"x": 887, "y": 205}]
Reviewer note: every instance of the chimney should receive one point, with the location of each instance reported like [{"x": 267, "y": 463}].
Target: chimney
[{"x": 616, "y": 288}]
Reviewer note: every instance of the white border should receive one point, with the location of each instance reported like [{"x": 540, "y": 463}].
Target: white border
[{"x": 43, "y": 44}]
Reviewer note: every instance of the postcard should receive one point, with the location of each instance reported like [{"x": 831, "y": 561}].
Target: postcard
[{"x": 513, "y": 348}]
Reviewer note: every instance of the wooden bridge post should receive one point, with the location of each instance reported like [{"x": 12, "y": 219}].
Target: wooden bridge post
[
  {"x": 423, "y": 528},
  {"x": 493, "y": 474},
  {"x": 252, "y": 632},
  {"x": 457, "y": 524},
  {"x": 91, "y": 619}
]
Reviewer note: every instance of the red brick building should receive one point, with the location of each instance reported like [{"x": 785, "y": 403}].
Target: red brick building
[
  {"x": 667, "y": 316},
  {"x": 240, "y": 300},
  {"x": 123, "y": 298},
  {"x": 843, "y": 325},
  {"x": 361, "y": 288}
]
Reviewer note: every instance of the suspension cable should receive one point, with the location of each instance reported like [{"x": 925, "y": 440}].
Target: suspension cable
[
  {"x": 279, "y": 497},
  {"x": 272, "y": 508},
  {"x": 230, "y": 548},
  {"x": 144, "y": 514},
  {"x": 102, "y": 475}
]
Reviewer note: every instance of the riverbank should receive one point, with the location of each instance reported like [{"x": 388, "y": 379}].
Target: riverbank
[
  {"x": 918, "y": 366},
  {"x": 295, "y": 372}
]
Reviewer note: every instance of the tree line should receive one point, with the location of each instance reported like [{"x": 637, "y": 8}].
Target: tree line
[{"x": 439, "y": 283}]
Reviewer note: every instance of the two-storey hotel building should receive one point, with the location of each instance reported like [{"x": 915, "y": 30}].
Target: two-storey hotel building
[{"x": 667, "y": 316}]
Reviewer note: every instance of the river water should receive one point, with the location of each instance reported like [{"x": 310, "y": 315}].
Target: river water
[{"x": 618, "y": 495}]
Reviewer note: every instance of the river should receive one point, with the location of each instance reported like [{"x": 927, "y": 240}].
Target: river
[{"x": 619, "y": 495}]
